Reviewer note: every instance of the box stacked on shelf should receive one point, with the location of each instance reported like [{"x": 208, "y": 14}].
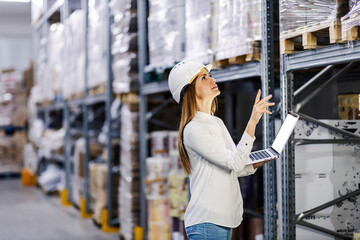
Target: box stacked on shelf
[
  {"x": 13, "y": 116},
  {"x": 349, "y": 106},
  {"x": 166, "y": 187},
  {"x": 129, "y": 189},
  {"x": 13, "y": 110},
  {"x": 166, "y": 32},
  {"x": 11, "y": 152},
  {"x": 98, "y": 189},
  {"x": 79, "y": 161},
  {"x": 124, "y": 47}
]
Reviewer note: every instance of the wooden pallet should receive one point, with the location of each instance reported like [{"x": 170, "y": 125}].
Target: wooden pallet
[
  {"x": 98, "y": 90},
  {"x": 77, "y": 95},
  {"x": 351, "y": 34},
  {"x": 255, "y": 55},
  {"x": 309, "y": 35},
  {"x": 45, "y": 102},
  {"x": 130, "y": 97}
]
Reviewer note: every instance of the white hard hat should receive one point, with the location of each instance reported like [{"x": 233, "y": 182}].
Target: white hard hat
[{"x": 182, "y": 74}]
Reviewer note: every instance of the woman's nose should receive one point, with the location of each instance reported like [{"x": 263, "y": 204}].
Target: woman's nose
[{"x": 213, "y": 80}]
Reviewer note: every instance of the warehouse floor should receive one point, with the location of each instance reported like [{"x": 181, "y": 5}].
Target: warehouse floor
[{"x": 26, "y": 213}]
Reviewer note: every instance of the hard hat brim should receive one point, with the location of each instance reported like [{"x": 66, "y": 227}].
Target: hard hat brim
[{"x": 208, "y": 67}]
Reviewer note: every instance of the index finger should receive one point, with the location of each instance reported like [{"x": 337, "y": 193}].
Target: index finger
[
  {"x": 258, "y": 96},
  {"x": 265, "y": 99}
]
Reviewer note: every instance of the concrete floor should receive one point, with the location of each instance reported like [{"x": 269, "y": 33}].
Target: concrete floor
[{"x": 26, "y": 213}]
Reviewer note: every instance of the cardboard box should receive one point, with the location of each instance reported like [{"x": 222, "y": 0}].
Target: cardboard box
[
  {"x": 11, "y": 152},
  {"x": 349, "y": 106}
]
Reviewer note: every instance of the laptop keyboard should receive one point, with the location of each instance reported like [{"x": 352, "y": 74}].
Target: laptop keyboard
[{"x": 262, "y": 154}]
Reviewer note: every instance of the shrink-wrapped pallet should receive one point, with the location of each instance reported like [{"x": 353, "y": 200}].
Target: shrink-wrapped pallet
[
  {"x": 238, "y": 26},
  {"x": 166, "y": 32},
  {"x": 97, "y": 42},
  {"x": 74, "y": 78},
  {"x": 125, "y": 46},
  {"x": 198, "y": 30},
  {"x": 295, "y": 14},
  {"x": 129, "y": 188}
]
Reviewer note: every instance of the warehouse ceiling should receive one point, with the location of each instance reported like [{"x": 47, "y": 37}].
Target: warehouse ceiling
[
  {"x": 11, "y": 8},
  {"x": 15, "y": 19}
]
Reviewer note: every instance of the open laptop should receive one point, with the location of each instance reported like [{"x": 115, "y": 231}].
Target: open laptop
[{"x": 279, "y": 142}]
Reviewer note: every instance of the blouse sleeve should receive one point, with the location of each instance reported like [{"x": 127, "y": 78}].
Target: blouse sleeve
[{"x": 214, "y": 149}]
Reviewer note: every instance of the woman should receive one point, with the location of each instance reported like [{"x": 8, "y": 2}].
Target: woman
[{"x": 209, "y": 155}]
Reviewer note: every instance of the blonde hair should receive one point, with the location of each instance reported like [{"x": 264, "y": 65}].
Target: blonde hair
[{"x": 188, "y": 110}]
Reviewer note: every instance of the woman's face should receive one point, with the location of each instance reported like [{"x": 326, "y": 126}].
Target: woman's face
[{"x": 205, "y": 86}]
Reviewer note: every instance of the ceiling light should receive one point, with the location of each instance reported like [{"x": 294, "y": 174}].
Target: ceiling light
[{"x": 20, "y": 1}]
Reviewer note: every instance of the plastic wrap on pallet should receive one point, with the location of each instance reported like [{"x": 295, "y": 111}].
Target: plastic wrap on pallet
[
  {"x": 254, "y": 19},
  {"x": 121, "y": 6},
  {"x": 125, "y": 22},
  {"x": 125, "y": 46},
  {"x": 129, "y": 189},
  {"x": 166, "y": 32},
  {"x": 56, "y": 56},
  {"x": 124, "y": 42},
  {"x": 30, "y": 158},
  {"x": 125, "y": 67},
  {"x": 233, "y": 39},
  {"x": 43, "y": 74},
  {"x": 198, "y": 31},
  {"x": 351, "y": 20},
  {"x": 51, "y": 179},
  {"x": 73, "y": 81},
  {"x": 13, "y": 107},
  {"x": 78, "y": 178},
  {"x": 51, "y": 142},
  {"x": 298, "y": 13},
  {"x": 97, "y": 37}
]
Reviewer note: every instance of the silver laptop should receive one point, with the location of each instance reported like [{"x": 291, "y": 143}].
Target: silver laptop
[{"x": 279, "y": 142}]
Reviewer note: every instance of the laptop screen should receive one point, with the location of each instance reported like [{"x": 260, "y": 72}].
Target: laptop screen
[{"x": 285, "y": 132}]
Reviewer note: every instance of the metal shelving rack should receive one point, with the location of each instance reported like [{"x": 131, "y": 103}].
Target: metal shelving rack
[
  {"x": 42, "y": 25},
  {"x": 324, "y": 57},
  {"x": 263, "y": 70}
]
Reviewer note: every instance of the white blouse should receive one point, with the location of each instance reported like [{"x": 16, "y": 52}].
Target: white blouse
[{"x": 216, "y": 164}]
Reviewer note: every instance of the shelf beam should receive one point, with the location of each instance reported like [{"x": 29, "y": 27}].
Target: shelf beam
[{"x": 329, "y": 55}]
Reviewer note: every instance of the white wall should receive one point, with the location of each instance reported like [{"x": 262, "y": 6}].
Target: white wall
[
  {"x": 15, "y": 52},
  {"x": 16, "y": 47}
]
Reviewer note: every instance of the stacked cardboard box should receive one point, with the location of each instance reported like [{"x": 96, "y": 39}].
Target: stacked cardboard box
[
  {"x": 167, "y": 192},
  {"x": 79, "y": 161},
  {"x": 11, "y": 152},
  {"x": 98, "y": 189},
  {"x": 129, "y": 189},
  {"x": 349, "y": 106},
  {"x": 12, "y": 99}
]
